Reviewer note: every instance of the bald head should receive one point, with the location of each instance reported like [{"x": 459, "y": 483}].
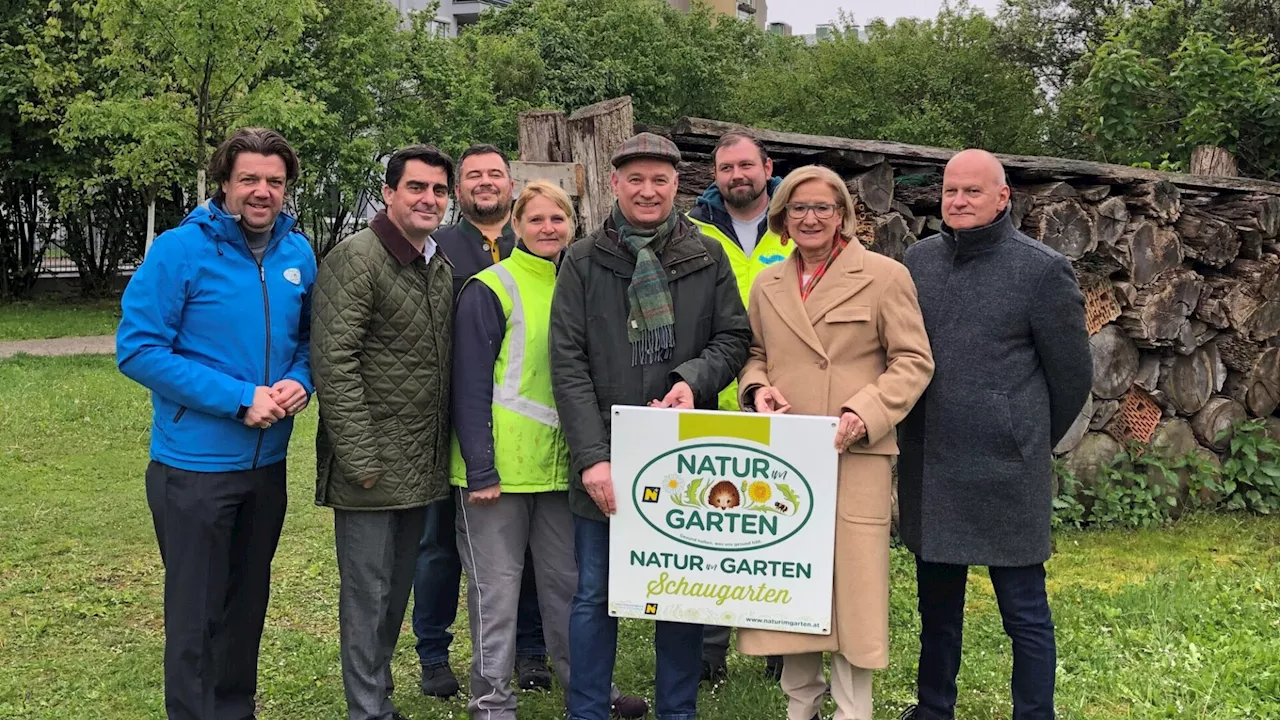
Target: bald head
[{"x": 974, "y": 190}]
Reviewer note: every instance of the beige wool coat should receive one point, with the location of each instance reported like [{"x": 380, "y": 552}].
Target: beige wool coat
[{"x": 857, "y": 343}]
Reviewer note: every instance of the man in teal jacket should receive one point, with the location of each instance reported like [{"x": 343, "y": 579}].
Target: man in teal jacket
[{"x": 216, "y": 325}]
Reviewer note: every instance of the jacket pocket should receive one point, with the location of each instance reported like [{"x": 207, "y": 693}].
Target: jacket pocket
[
  {"x": 1003, "y": 421},
  {"x": 178, "y": 415},
  {"x": 848, "y": 313},
  {"x": 864, "y": 492}
]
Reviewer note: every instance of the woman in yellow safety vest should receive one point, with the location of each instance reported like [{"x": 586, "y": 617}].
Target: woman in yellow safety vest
[{"x": 510, "y": 456}]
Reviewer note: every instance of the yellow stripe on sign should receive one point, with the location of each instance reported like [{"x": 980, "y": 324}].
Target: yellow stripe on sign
[{"x": 745, "y": 427}]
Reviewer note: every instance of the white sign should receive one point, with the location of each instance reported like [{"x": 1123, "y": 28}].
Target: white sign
[{"x": 723, "y": 518}]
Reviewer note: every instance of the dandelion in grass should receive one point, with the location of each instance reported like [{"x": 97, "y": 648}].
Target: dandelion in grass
[{"x": 760, "y": 491}]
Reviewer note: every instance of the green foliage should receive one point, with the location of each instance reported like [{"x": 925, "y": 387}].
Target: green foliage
[
  {"x": 934, "y": 82},
  {"x": 578, "y": 52},
  {"x": 1251, "y": 472},
  {"x": 1169, "y": 79},
  {"x": 1140, "y": 488}
]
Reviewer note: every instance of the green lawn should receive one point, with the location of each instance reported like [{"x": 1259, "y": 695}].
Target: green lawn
[
  {"x": 55, "y": 319},
  {"x": 1176, "y": 623}
]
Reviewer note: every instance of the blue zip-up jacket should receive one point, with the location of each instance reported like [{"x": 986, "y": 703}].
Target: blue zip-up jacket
[{"x": 204, "y": 325}]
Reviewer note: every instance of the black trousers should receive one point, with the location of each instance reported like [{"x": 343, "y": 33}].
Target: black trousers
[
  {"x": 217, "y": 534},
  {"x": 1024, "y": 609}
]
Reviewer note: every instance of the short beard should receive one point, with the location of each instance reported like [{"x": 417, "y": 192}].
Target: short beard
[
  {"x": 731, "y": 200},
  {"x": 475, "y": 213}
]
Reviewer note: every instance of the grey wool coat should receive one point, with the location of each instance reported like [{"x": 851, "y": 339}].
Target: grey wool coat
[{"x": 1005, "y": 318}]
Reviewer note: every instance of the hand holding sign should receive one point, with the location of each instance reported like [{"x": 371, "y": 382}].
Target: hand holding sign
[
  {"x": 851, "y": 430},
  {"x": 681, "y": 397},
  {"x": 769, "y": 400}
]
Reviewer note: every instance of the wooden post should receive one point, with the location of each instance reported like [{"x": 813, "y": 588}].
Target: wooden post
[
  {"x": 1213, "y": 160},
  {"x": 151, "y": 226},
  {"x": 544, "y": 137},
  {"x": 595, "y": 132}
]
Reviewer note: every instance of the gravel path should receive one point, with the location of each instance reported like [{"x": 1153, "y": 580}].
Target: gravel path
[{"x": 95, "y": 345}]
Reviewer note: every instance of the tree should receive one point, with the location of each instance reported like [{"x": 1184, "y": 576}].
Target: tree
[
  {"x": 185, "y": 72},
  {"x": 1169, "y": 80},
  {"x": 671, "y": 63},
  {"x": 934, "y": 82},
  {"x": 349, "y": 60}
]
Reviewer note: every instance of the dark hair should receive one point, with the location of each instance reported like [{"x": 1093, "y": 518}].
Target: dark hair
[
  {"x": 261, "y": 141},
  {"x": 733, "y": 137},
  {"x": 483, "y": 150},
  {"x": 429, "y": 154}
]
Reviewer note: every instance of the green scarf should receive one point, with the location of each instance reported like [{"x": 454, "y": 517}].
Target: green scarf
[{"x": 651, "y": 318}]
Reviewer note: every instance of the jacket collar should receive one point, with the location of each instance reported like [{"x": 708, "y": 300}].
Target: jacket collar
[
  {"x": 473, "y": 233},
  {"x": 538, "y": 266},
  {"x": 682, "y": 255},
  {"x": 963, "y": 243},
  {"x": 710, "y": 209},
  {"x": 223, "y": 227},
  {"x": 392, "y": 239},
  {"x": 844, "y": 279}
]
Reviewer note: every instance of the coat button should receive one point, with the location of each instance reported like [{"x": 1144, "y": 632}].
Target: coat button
[{"x": 822, "y": 364}]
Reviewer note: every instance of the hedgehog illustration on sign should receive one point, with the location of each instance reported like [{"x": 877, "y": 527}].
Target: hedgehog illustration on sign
[{"x": 724, "y": 495}]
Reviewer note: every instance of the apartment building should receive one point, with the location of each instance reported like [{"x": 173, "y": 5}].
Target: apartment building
[
  {"x": 756, "y": 11},
  {"x": 452, "y": 15}
]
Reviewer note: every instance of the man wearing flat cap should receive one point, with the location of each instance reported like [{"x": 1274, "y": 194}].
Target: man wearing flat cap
[{"x": 646, "y": 311}]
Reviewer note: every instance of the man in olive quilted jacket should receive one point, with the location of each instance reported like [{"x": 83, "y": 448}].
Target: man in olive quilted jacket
[{"x": 381, "y": 346}]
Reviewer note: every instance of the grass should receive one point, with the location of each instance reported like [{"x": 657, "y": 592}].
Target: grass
[
  {"x": 54, "y": 319},
  {"x": 1175, "y": 623}
]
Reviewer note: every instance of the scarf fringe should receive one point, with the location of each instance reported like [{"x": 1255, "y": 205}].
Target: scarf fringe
[{"x": 654, "y": 346}]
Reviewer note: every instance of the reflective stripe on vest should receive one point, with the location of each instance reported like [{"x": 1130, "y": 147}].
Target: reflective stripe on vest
[{"x": 507, "y": 393}]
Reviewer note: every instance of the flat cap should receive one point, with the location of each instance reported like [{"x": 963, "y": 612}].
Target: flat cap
[{"x": 646, "y": 145}]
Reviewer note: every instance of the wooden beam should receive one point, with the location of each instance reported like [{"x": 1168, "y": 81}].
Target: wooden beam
[
  {"x": 1025, "y": 166},
  {"x": 569, "y": 176}
]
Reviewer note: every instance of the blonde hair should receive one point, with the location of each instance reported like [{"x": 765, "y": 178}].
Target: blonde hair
[
  {"x": 549, "y": 190},
  {"x": 800, "y": 176}
]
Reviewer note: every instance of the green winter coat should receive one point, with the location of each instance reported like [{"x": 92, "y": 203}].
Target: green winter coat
[{"x": 381, "y": 344}]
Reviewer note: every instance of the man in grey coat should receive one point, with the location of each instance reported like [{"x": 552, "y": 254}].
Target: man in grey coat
[{"x": 1005, "y": 318}]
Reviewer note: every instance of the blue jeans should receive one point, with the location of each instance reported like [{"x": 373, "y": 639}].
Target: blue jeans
[
  {"x": 1024, "y": 608},
  {"x": 593, "y": 641},
  {"x": 435, "y": 592}
]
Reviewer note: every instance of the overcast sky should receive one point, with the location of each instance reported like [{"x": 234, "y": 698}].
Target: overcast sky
[{"x": 804, "y": 15}]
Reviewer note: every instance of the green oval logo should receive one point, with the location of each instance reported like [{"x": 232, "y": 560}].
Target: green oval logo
[{"x": 722, "y": 496}]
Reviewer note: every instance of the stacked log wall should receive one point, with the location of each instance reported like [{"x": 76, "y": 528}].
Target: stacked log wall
[{"x": 1181, "y": 277}]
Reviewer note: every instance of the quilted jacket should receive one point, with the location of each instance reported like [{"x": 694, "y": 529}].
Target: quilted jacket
[{"x": 381, "y": 343}]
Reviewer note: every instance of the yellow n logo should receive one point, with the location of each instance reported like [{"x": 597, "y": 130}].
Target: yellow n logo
[
  {"x": 651, "y": 494},
  {"x": 651, "y": 609}
]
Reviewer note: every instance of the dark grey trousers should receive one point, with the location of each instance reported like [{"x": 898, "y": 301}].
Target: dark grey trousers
[
  {"x": 492, "y": 541},
  {"x": 217, "y": 534},
  {"x": 377, "y": 552}
]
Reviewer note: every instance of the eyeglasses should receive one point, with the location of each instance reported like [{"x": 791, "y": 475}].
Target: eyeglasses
[{"x": 822, "y": 211}]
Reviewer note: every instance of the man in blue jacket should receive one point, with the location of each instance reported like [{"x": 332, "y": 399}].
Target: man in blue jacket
[{"x": 217, "y": 325}]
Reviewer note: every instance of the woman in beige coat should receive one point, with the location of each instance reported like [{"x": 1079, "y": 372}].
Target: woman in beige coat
[{"x": 838, "y": 332}]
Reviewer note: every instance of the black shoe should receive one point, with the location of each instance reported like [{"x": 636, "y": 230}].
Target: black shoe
[
  {"x": 911, "y": 713},
  {"x": 532, "y": 673},
  {"x": 773, "y": 667},
  {"x": 628, "y": 707},
  {"x": 714, "y": 671},
  {"x": 438, "y": 681}
]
